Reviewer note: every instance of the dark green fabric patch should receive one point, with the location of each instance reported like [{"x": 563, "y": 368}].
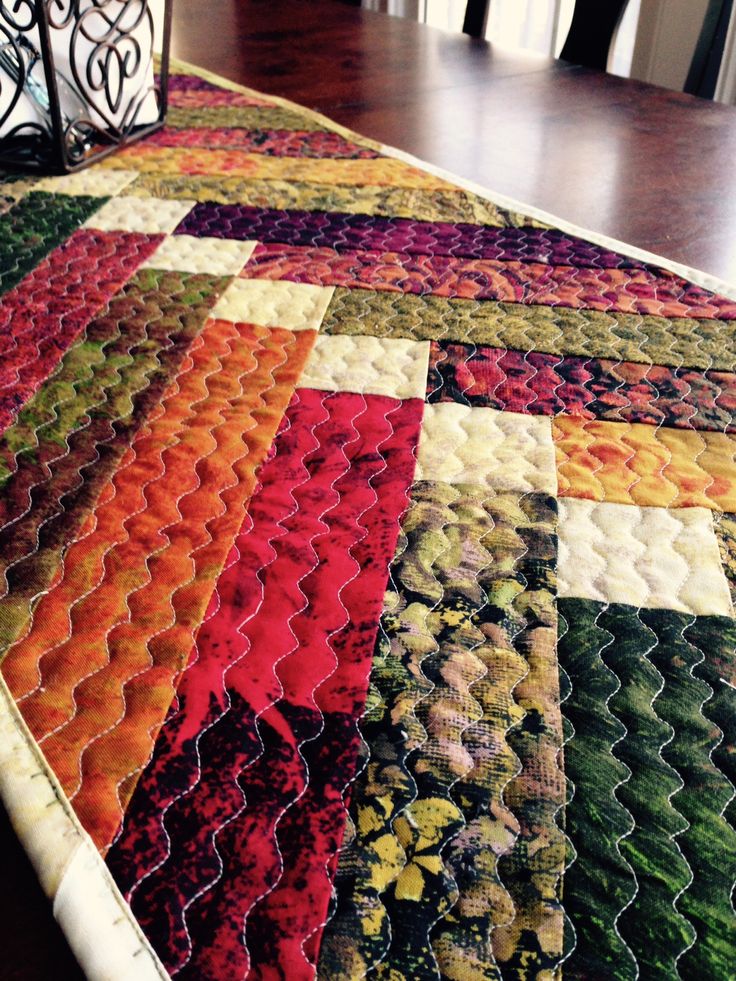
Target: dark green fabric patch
[
  {"x": 35, "y": 226},
  {"x": 649, "y": 762}
]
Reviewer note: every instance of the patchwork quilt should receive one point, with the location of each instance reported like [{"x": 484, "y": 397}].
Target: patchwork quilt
[{"x": 369, "y": 552}]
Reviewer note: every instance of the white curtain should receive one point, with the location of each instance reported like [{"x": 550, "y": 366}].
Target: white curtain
[{"x": 535, "y": 25}]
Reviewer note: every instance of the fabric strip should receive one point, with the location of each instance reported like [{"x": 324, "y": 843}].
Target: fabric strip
[{"x": 279, "y": 679}]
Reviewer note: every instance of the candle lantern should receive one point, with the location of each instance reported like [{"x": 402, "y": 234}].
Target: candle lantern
[{"x": 79, "y": 78}]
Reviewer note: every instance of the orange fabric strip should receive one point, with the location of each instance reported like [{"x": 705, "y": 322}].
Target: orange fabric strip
[
  {"x": 633, "y": 463},
  {"x": 95, "y": 684},
  {"x": 235, "y": 163}
]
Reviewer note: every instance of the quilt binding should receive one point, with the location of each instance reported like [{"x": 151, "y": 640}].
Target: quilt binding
[{"x": 98, "y": 923}]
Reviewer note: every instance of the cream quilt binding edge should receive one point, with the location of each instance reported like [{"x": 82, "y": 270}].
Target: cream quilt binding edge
[{"x": 99, "y": 925}]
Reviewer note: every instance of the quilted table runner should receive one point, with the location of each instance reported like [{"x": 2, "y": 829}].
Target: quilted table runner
[{"x": 369, "y": 551}]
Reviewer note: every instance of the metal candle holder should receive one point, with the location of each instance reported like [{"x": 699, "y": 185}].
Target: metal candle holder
[{"x": 96, "y": 101}]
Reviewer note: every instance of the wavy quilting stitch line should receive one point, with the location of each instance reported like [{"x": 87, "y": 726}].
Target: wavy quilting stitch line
[
  {"x": 455, "y": 943},
  {"x": 632, "y": 463},
  {"x": 707, "y": 790},
  {"x": 662, "y": 675},
  {"x": 114, "y": 517},
  {"x": 271, "y": 142},
  {"x": 461, "y": 939},
  {"x": 165, "y": 638},
  {"x": 701, "y": 344},
  {"x": 659, "y": 468},
  {"x": 50, "y": 487},
  {"x": 599, "y": 883},
  {"x": 159, "y": 828},
  {"x": 302, "y": 813},
  {"x": 320, "y": 812},
  {"x": 203, "y": 951},
  {"x": 271, "y": 717},
  {"x": 135, "y": 740},
  {"x": 389, "y": 271},
  {"x": 379, "y": 579},
  {"x": 652, "y": 847},
  {"x": 366, "y": 199},
  {"x": 358, "y": 937},
  {"x": 357, "y": 931},
  {"x": 424, "y": 888},
  {"x": 589, "y": 388},
  {"x": 654, "y": 929},
  {"x": 624, "y": 291},
  {"x": 522, "y": 585},
  {"x": 454, "y": 278},
  {"x": 269, "y": 909},
  {"x": 279, "y": 359},
  {"x": 46, "y": 311},
  {"x": 420, "y": 258},
  {"x": 34, "y": 226},
  {"x": 628, "y": 291},
  {"x": 650, "y": 557},
  {"x": 714, "y": 636},
  {"x": 294, "y": 239},
  {"x": 569, "y": 937},
  {"x": 26, "y": 576},
  {"x": 409, "y": 954},
  {"x": 293, "y": 707}
]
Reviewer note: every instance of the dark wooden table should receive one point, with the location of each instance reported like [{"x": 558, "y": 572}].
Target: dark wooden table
[
  {"x": 651, "y": 167},
  {"x": 654, "y": 168}
]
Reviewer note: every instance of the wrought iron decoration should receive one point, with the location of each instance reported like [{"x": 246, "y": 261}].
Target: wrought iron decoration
[{"x": 86, "y": 69}]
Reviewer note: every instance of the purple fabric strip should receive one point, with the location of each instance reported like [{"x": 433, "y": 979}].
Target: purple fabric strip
[{"x": 345, "y": 232}]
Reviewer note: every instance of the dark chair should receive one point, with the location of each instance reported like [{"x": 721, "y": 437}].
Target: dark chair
[
  {"x": 476, "y": 14},
  {"x": 594, "y": 23},
  {"x": 706, "y": 64}
]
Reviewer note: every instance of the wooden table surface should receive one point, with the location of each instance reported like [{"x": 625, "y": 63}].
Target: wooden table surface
[
  {"x": 648, "y": 166},
  {"x": 654, "y": 168}
]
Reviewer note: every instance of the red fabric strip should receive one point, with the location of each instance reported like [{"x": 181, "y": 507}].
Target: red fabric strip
[
  {"x": 44, "y": 313},
  {"x": 539, "y": 383},
  {"x": 251, "y": 770},
  {"x": 494, "y": 278}
]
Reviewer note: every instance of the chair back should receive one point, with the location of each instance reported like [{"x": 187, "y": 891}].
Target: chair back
[
  {"x": 594, "y": 23},
  {"x": 593, "y": 26}
]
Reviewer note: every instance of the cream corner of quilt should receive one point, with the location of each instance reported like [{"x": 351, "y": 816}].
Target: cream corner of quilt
[{"x": 99, "y": 926}]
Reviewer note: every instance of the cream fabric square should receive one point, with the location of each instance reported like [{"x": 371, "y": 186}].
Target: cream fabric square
[
  {"x": 369, "y": 365},
  {"x": 150, "y": 216},
  {"x": 296, "y": 306},
  {"x": 96, "y": 183},
  {"x": 463, "y": 444},
  {"x": 650, "y": 557},
  {"x": 215, "y": 256}
]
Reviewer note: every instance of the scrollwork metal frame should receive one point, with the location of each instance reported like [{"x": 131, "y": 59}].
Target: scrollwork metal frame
[{"x": 108, "y": 43}]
